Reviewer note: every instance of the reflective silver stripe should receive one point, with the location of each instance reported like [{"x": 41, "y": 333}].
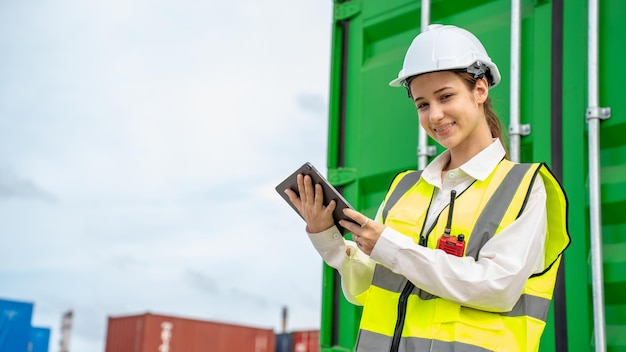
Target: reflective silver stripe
[
  {"x": 533, "y": 306},
  {"x": 387, "y": 279},
  {"x": 423, "y": 294},
  {"x": 442, "y": 346},
  {"x": 390, "y": 281},
  {"x": 372, "y": 342},
  {"x": 401, "y": 188},
  {"x": 529, "y": 305},
  {"x": 491, "y": 216}
]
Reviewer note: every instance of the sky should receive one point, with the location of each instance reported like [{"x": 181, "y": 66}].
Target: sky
[{"x": 140, "y": 144}]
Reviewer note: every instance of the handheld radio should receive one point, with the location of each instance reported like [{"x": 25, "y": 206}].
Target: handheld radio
[{"x": 454, "y": 245}]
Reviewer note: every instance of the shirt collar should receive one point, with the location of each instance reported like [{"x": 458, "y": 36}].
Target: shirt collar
[
  {"x": 483, "y": 163},
  {"x": 479, "y": 167}
]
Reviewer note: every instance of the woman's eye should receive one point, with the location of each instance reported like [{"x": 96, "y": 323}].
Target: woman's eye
[
  {"x": 446, "y": 96},
  {"x": 421, "y": 106}
]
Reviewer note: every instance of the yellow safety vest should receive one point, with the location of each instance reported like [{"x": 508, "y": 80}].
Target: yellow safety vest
[{"x": 397, "y": 316}]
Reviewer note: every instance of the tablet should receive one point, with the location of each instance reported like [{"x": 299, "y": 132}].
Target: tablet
[{"x": 329, "y": 193}]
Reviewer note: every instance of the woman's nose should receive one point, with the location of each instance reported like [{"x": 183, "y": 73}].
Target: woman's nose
[{"x": 435, "y": 112}]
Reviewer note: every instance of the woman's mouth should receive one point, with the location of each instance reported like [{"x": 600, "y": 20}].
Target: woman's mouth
[{"x": 442, "y": 129}]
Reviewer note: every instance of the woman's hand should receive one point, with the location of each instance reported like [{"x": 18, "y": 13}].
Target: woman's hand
[
  {"x": 367, "y": 234},
  {"x": 310, "y": 204}
]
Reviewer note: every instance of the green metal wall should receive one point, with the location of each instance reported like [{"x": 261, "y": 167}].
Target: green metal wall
[{"x": 373, "y": 132}]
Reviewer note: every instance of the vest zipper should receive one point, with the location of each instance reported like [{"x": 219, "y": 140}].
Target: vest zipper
[
  {"x": 408, "y": 288},
  {"x": 403, "y": 301},
  {"x": 402, "y": 304}
]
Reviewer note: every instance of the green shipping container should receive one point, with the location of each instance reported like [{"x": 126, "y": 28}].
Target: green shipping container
[{"x": 373, "y": 134}]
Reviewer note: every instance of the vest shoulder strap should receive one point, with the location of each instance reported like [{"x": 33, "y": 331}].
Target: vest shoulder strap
[
  {"x": 403, "y": 186},
  {"x": 506, "y": 191},
  {"x": 498, "y": 205}
]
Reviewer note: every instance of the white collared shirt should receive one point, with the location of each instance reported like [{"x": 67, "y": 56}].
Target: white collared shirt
[
  {"x": 493, "y": 282},
  {"x": 477, "y": 168}
]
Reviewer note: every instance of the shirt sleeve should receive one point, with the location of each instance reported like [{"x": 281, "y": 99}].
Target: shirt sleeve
[
  {"x": 355, "y": 267},
  {"x": 494, "y": 281}
]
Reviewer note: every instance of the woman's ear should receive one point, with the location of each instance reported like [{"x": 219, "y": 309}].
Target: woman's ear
[{"x": 481, "y": 90}]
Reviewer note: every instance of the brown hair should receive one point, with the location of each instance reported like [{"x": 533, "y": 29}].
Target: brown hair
[{"x": 495, "y": 125}]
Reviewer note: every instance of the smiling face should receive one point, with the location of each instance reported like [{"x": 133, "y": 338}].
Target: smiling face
[{"x": 451, "y": 113}]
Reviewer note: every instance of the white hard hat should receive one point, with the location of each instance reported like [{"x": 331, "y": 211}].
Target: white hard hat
[{"x": 445, "y": 47}]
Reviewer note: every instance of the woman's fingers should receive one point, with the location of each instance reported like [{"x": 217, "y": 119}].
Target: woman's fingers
[
  {"x": 301, "y": 192},
  {"x": 319, "y": 195},
  {"x": 356, "y": 216},
  {"x": 309, "y": 201},
  {"x": 294, "y": 199},
  {"x": 309, "y": 189},
  {"x": 365, "y": 232},
  {"x": 356, "y": 229}
]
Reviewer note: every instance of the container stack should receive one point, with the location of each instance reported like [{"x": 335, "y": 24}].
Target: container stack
[
  {"x": 154, "y": 332},
  {"x": 16, "y": 331}
]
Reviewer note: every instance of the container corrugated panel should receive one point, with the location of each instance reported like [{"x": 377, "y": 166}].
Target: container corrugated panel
[
  {"x": 39, "y": 339},
  {"x": 151, "y": 332},
  {"x": 125, "y": 334},
  {"x": 373, "y": 128},
  {"x": 613, "y": 170},
  {"x": 306, "y": 341},
  {"x": 373, "y": 134},
  {"x": 15, "y": 318}
]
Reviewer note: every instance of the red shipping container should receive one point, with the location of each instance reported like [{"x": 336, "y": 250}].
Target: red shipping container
[
  {"x": 160, "y": 333},
  {"x": 306, "y": 341}
]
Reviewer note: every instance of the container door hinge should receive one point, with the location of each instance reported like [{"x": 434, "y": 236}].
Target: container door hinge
[
  {"x": 429, "y": 150},
  {"x": 521, "y": 130},
  {"x": 598, "y": 113},
  {"x": 346, "y": 10},
  {"x": 341, "y": 176}
]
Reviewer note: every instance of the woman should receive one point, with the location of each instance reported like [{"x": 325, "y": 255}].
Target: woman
[{"x": 462, "y": 256}]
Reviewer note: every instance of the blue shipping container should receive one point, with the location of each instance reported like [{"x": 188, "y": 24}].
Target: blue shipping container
[
  {"x": 284, "y": 342},
  {"x": 15, "y": 325},
  {"x": 39, "y": 339}
]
